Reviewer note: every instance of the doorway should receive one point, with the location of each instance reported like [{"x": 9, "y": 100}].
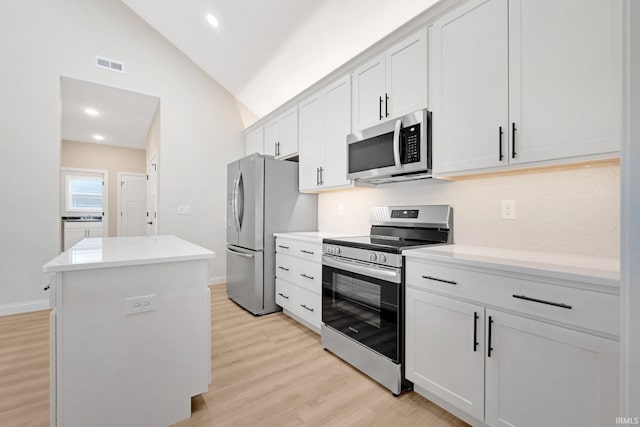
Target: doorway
[{"x": 118, "y": 131}]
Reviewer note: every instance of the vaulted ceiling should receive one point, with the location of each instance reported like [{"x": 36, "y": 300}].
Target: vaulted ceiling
[{"x": 266, "y": 51}]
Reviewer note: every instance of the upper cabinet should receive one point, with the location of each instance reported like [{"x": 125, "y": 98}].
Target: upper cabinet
[
  {"x": 281, "y": 134},
  {"x": 325, "y": 122},
  {"x": 392, "y": 84},
  {"x": 255, "y": 141},
  {"x": 522, "y": 81}
]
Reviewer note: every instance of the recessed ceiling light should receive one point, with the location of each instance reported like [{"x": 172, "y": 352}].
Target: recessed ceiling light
[
  {"x": 98, "y": 137},
  {"x": 212, "y": 20},
  {"x": 91, "y": 111}
]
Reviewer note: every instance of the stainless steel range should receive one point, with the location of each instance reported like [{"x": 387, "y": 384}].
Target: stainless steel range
[{"x": 363, "y": 288}]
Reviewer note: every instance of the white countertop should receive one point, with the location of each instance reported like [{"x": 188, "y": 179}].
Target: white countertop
[
  {"x": 104, "y": 252},
  {"x": 313, "y": 236},
  {"x": 580, "y": 268}
]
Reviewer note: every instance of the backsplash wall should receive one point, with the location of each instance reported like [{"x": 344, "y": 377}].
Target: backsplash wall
[{"x": 570, "y": 210}]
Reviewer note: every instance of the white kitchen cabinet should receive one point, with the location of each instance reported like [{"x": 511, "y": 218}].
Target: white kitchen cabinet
[
  {"x": 325, "y": 122},
  {"x": 76, "y": 231},
  {"x": 524, "y": 81},
  {"x": 447, "y": 357},
  {"x": 544, "y": 375},
  {"x": 281, "y": 134},
  {"x": 392, "y": 84},
  {"x": 546, "y": 352},
  {"x": 299, "y": 279},
  {"x": 255, "y": 141}
]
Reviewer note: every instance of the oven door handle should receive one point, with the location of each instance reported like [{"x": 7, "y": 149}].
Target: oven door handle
[
  {"x": 396, "y": 144},
  {"x": 393, "y": 276}
]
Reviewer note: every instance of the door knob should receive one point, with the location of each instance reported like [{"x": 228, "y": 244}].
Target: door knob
[{"x": 150, "y": 222}]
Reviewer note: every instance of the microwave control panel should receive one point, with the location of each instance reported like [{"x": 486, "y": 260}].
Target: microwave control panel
[{"x": 411, "y": 136}]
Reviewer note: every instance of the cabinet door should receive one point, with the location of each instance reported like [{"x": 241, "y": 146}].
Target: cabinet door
[
  {"x": 442, "y": 356},
  {"x": 368, "y": 93},
  {"x": 469, "y": 76},
  {"x": 271, "y": 136},
  {"x": 544, "y": 375},
  {"x": 407, "y": 75},
  {"x": 311, "y": 142},
  {"x": 73, "y": 235},
  {"x": 95, "y": 231},
  {"x": 565, "y": 78},
  {"x": 337, "y": 125},
  {"x": 288, "y": 133},
  {"x": 255, "y": 141}
]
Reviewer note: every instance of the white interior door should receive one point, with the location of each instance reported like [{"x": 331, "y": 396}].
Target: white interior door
[
  {"x": 133, "y": 204},
  {"x": 151, "y": 215}
]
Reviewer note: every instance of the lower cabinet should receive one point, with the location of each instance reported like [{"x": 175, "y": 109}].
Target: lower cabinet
[
  {"x": 498, "y": 368},
  {"x": 299, "y": 280},
  {"x": 544, "y": 375},
  {"x": 76, "y": 231},
  {"x": 445, "y": 349}
]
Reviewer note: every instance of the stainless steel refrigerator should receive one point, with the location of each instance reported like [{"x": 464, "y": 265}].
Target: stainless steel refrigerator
[{"x": 262, "y": 199}]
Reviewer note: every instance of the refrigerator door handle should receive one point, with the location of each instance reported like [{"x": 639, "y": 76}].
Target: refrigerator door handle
[
  {"x": 240, "y": 212},
  {"x": 234, "y": 203},
  {"x": 231, "y": 251}
]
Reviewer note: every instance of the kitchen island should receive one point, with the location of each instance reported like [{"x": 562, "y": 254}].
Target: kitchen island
[{"x": 130, "y": 333}]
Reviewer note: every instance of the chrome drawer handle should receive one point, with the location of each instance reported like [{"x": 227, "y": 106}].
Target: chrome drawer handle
[
  {"x": 283, "y": 268},
  {"x": 306, "y": 252},
  {"x": 451, "y": 282},
  {"x": 541, "y": 301},
  {"x": 308, "y": 277},
  {"x": 353, "y": 330},
  {"x": 304, "y": 306},
  {"x": 284, "y": 247},
  {"x": 283, "y": 295}
]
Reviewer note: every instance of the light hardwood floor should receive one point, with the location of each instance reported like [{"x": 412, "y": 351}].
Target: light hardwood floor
[{"x": 267, "y": 371}]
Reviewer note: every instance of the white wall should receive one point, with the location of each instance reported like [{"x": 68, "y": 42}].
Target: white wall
[
  {"x": 569, "y": 209},
  {"x": 200, "y": 127},
  {"x": 630, "y": 336}
]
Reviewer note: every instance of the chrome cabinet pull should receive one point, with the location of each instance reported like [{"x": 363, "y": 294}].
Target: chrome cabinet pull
[
  {"x": 304, "y": 306},
  {"x": 283, "y": 268},
  {"x": 283, "y": 295},
  {"x": 386, "y": 104},
  {"x": 284, "y": 247},
  {"x": 380, "y": 107},
  {"x": 541, "y": 301},
  {"x": 306, "y": 252},
  {"x": 308, "y": 277},
  {"x": 451, "y": 282}
]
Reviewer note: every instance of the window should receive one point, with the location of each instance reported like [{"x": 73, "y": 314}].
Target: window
[{"x": 84, "y": 193}]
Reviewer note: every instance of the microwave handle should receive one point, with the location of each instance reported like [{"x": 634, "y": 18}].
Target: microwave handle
[{"x": 396, "y": 144}]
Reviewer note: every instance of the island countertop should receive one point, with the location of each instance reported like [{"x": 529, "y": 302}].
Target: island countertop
[{"x": 106, "y": 252}]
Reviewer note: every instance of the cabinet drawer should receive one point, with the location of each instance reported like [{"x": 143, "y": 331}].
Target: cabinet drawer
[
  {"x": 308, "y": 306},
  {"x": 305, "y": 250},
  {"x": 576, "y": 307},
  {"x": 283, "y": 294},
  {"x": 306, "y": 274}
]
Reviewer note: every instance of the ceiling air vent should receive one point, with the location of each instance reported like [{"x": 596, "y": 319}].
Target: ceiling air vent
[{"x": 109, "y": 64}]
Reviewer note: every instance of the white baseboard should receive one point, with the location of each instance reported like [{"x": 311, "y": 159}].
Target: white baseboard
[
  {"x": 24, "y": 307},
  {"x": 217, "y": 280}
]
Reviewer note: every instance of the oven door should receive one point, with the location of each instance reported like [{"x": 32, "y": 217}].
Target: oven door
[{"x": 362, "y": 301}]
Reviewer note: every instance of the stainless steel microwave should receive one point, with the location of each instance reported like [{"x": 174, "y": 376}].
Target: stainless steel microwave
[{"x": 397, "y": 150}]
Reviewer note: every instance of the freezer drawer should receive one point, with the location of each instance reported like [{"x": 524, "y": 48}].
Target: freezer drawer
[{"x": 245, "y": 278}]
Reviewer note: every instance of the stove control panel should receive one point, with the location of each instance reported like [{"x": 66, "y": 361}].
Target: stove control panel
[{"x": 363, "y": 255}]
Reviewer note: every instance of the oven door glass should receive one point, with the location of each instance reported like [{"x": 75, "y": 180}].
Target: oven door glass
[{"x": 363, "y": 308}]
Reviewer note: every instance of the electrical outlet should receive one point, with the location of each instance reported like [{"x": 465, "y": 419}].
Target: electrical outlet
[
  {"x": 184, "y": 210},
  {"x": 508, "y": 209},
  {"x": 141, "y": 304}
]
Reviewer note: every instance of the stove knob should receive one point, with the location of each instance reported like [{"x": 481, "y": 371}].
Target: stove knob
[
  {"x": 382, "y": 258},
  {"x": 336, "y": 250},
  {"x": 373, "y": 256},
  {"x": 330, "y": 249}
]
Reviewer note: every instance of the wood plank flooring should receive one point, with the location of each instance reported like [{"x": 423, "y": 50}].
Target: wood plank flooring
[{"x": 267, "y": 371}]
